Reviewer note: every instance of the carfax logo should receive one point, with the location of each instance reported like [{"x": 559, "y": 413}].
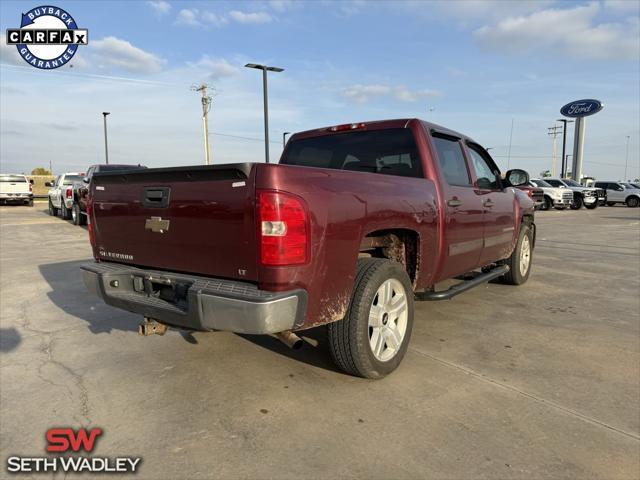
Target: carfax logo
[{"x": 48, "y": 37}]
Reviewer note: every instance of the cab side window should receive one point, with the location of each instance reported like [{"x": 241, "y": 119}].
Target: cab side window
[
  {"x": 488, "y": 177},
  {"x": 451, "y": 160}
]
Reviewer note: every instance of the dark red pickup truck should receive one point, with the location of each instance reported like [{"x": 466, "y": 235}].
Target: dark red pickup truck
[{"x": 355, "y": 223}]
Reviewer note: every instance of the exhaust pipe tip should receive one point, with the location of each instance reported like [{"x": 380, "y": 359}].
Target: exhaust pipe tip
[
  {"x": 151, "y": 327},
  {"x": 290, "y": 339}
]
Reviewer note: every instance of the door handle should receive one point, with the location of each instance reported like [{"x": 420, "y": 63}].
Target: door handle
[
  {"x": 454, "y": 202},
  {"x": 488, "y": 203}
]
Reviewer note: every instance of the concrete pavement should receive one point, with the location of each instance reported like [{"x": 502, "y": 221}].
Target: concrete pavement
[{"x": 537, "y": 381}]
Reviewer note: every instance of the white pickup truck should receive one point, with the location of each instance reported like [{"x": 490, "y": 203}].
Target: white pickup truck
[
  {"x": 554, "y": 197},
  {"x": 61, "y": 194},
  {"x": 15, "y": 188}
]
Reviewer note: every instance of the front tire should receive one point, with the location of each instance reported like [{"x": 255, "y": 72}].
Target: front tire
[
  {"x": 632, "y": 202},
  {"x": 610, "y": 204},
  {"x": 548, "y": 203},
  {"x": 373, "y": 337},
  {"x": 520, "y": 260},
  {"x": 577, "y": 203},
  {"x": 593, "y": 206}
]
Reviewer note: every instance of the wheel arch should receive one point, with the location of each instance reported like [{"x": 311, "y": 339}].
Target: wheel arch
[{"x": 398, "y": 244}]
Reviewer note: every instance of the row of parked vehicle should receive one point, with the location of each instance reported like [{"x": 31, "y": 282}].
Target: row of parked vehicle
[
  {"x": 559, "y": 193},
  {"x": 68, "y": 192}
]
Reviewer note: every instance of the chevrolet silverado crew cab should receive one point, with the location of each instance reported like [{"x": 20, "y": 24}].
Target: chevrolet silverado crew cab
[
  {"x": 15, "y": 188},
  {"x": 588, "y": 196},
  {"x": 61, "y": 194},
  {"x": 620, "y": 192},
  {"x": 554, "y": 197},
  {"x": 354, "y": 223}
]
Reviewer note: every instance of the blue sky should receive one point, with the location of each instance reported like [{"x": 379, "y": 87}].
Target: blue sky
[{"x": 472, "y": 66}]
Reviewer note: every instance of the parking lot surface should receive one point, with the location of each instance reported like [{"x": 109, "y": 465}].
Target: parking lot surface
[{"x": 538, "y": 381}]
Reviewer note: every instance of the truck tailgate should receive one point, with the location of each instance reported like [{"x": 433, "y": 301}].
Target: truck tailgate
[{"x": 185, "y": 219}]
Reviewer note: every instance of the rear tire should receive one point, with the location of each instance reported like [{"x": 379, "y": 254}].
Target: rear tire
[
  {"x": 66, "y": 213},
  {"x": 520, "y": 260},
  {"x": 632, "y": 202},
  {"x": 53, "y": 211},
  {"x": 548, "y": 203},
  {"x": 610, "y": 204},
  {"x": 577, "y": 203},
  {"x": 374, "y": 335}
]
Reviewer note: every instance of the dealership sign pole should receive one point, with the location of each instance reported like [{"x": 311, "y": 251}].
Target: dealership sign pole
[{"x": 579, "y": 109}]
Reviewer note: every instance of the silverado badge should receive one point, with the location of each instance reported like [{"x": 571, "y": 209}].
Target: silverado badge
[{"x": 156, "y": 225}]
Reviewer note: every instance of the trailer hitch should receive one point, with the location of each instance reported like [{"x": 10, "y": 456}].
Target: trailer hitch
[{"x": 151, "y": 327}]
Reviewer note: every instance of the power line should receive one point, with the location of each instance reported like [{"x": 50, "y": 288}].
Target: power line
[{"x": 241, "y": 137}]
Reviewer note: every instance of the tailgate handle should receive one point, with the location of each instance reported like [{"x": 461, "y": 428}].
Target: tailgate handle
[{"x": 156, "y": 197}]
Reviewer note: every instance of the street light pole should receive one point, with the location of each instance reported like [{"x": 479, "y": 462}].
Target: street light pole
[
  {"x": 106, "y": 148},
  {"x": 626, "y": 160},
  {"x": 563, "y": 168},
  {"x": 284, "y": 138},
  {"x": 265, "y": 95}
]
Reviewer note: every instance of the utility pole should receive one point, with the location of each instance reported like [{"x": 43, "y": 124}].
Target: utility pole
[
  {"x": 106, "y": 148},
  {"x": 510, "y": 140},
  {"x": 563, "y": 168},
  {"x": 553, "y": 132},
  {"x": 626, "y": 160},
  {"x": 206, "y": 107},
  {"x": 50, "y": 167}
]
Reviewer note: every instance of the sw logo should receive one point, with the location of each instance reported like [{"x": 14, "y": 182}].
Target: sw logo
[
  {"x": 68, "y": 440},
  {"x": 48, "y": 37},
  {"x": 63, "y": 439}
]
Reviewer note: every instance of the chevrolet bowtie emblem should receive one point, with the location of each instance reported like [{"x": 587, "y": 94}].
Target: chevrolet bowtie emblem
[{"x": 156, "y": 225}]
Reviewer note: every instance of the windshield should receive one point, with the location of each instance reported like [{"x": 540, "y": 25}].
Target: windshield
[
  {"x": 71, "y": 179},
  {"x": 12, "y": 178},
  {"x": 541, "y": 183},
  {"x": 572, "y": 183},
  {"x": 390, "y": 152}
]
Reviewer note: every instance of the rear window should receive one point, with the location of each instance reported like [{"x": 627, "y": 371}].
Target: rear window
[
  {"x": 13, "y": 178},
  {"x": 71, "y": 179},
  {"x": 390, "y": 152}
]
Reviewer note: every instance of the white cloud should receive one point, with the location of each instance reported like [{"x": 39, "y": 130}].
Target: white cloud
[
  {"x": 471, "y": 11},
  {"x": 216, "y": 68},
  {"x": 160, "y": 7},
  {"x": 572, "y": 32},
  {"x": 363, "y": 93},
  {"x": 195, "y": 18},
  {"x": 405, "y": 95},
  {"x": 250, "y": 17},
  {"x": 9, "y": 53},
  {"x": 112, "y": 51},
  {"x": 281, "y": 5}
]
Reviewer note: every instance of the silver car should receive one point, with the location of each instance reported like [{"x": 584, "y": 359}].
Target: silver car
[{"x": 620, "y": 192}]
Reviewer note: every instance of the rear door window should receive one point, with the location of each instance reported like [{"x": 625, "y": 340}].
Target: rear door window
[{"x": 451, "y": 160}]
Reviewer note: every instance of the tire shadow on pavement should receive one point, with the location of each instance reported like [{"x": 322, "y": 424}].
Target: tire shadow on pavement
[{"x": 314, "y": 351}]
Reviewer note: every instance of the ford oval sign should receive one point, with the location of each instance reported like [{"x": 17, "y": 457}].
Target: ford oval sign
[{"x": 581, "y": 108}]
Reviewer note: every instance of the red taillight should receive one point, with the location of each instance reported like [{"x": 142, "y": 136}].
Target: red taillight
[
  {"x": 69, "y": 193},
  {"x": 30, "y": 188},
  {"x": 283, "y": 229},
  {"x": 530, "y": 193},
  {"x": 347, "y": 126}
]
